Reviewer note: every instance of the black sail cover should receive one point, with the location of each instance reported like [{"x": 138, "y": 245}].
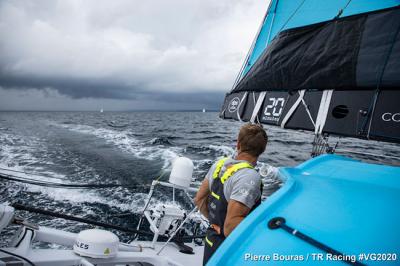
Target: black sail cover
[{"x": 340, "y": 77}]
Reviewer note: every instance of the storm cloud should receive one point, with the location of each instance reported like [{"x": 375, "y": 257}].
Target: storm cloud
[{"x": 172, "y": 54}]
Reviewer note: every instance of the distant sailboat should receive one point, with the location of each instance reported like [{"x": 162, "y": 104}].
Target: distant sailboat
[
  {"x": 101, "y": 110},
  {"x": 204, "y": 110}
]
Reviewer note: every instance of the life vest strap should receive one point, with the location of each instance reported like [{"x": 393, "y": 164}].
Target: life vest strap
[
  {"x": 218, "y": 167},
  {"x": 215, "y": 195},
  {"x": 233, "y": 169},
  {"x": 209, "y": 242}
]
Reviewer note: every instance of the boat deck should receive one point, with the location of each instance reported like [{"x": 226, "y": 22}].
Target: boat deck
[
  {"x": 345, "y": 204},
  {"x": 170, "y": 256}
]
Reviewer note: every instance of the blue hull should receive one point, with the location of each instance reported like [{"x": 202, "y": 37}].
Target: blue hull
[{"x": 350, "y": 206}]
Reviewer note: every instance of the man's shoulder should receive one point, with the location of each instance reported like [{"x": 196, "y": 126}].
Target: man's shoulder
[
  {"x": 244, "y": 186},
  {"x": 249, "y": 173},
  {"x": 246, "y": 175},
  {"x": 224, "y": 160},
  {"x": 213, "y": 167}
]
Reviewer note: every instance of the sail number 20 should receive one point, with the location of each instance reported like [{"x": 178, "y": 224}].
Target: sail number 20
[{"x": 275, "y": 107}]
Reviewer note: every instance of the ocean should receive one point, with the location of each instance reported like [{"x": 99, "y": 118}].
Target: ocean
[{"x": 131, "y": 148}]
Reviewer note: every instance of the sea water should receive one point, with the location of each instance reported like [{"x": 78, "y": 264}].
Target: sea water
[{"x": 130, "y": 148}]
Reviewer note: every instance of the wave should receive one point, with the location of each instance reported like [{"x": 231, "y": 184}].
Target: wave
[
  {"x": 212, "y": 137},
  {"x": 160, "y": 141},
  {"x": 211, "y": 150},
  {"x": 17, "y": 158},
  {"x": 119, "y": 138},
  {"x": 224, "y": 150},
  {"x": 116, "y": 125},
  {"x": 16, "y": 151},
  {"x": 16, "y": 154},
  {"x": 291, "y": 142},
  {"x": 126, "y": 141}
]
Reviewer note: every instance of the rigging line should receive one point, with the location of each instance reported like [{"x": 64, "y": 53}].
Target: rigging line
[
  {"x": 323, "y": 110},
  {"x": 381, "y": 77},
  {"x": 292, "y": 15},
  {"x": 340, "y": 12},
  {"x": 147, "y": 204},
  {"x": 33, "y": 174},
  {"x": 18, "y": 256},
  {"x": 240, "y": 104},
  {"x": 333, "y": 149},
  {"x": 19, "y": 171},
  {"x": 257, "y": 107},
  {"x": 308, "y": 111},
  {"x": 321, "y": 144},
  {"x": 60, "y": 185},
  {"x": 250, "y": 51},
  {"x": 272, "y": 22},
  {"x": 292, "y": 108},
  {"x": 21, "y": 207},
  {"x": 29, "y": 174}
]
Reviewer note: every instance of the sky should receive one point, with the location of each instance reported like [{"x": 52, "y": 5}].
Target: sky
[{"x": 123, "y": 54}]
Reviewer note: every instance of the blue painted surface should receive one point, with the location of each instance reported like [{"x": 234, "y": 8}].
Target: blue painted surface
[
  {"x": 348, "y": 205},
  {"x": 309, "y": 12}
]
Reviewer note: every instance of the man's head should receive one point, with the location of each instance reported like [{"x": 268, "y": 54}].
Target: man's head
[{"x": 252, "y": 139}]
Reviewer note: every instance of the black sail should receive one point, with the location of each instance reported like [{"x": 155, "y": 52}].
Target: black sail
[{"x": 340, "y": 76}]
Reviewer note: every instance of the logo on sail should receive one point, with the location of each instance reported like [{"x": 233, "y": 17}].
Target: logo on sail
[
  {"x": 273, "y": 109},
  {"x": 233, "y": 104},
  {"x": 391, "y": 117}
]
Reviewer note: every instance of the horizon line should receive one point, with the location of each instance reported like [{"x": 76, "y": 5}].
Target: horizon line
[{"x": 109, "y": 111}]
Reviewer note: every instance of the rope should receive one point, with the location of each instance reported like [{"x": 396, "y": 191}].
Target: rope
[
  {"x": 292, "y": 15},
  {"x": 145, "y": 208},
  {"x": 250, "y": 51},
  {"x": 323, "y": 111},
  {"x": 18, "y": 256},
  {"x": 32, "y": 181},
  {"x": 21, "y": 207},
  {"x": 240, "y": 104},
  {"x": 371, "y": 112},
  {"x": 272, "y": 21},
  {"x": 321, "y": 145},
  {"x": 292, "y": 109},
  {"x": 257, "y": 106},
  {"x": 308, "y": 111},
  {"x": 342, "y": 9}
]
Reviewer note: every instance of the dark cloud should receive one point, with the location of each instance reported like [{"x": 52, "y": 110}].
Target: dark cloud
[
  {"x": 75, "y": 88},
  {"x": 148, "y": 54},
  {"x": 51, "y": 99}
]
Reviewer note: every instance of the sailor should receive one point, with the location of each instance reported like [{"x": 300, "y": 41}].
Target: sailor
[{"x": 232, "y": 188}]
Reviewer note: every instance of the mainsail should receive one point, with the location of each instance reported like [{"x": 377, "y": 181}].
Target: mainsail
[{"x": 325, "y": 66}]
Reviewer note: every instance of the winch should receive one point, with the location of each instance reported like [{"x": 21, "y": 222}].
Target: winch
[{"x": 167, "y": 218}]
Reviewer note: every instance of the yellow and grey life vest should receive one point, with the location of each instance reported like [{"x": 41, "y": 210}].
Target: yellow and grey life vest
[{"x": 217, "y": 203}]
